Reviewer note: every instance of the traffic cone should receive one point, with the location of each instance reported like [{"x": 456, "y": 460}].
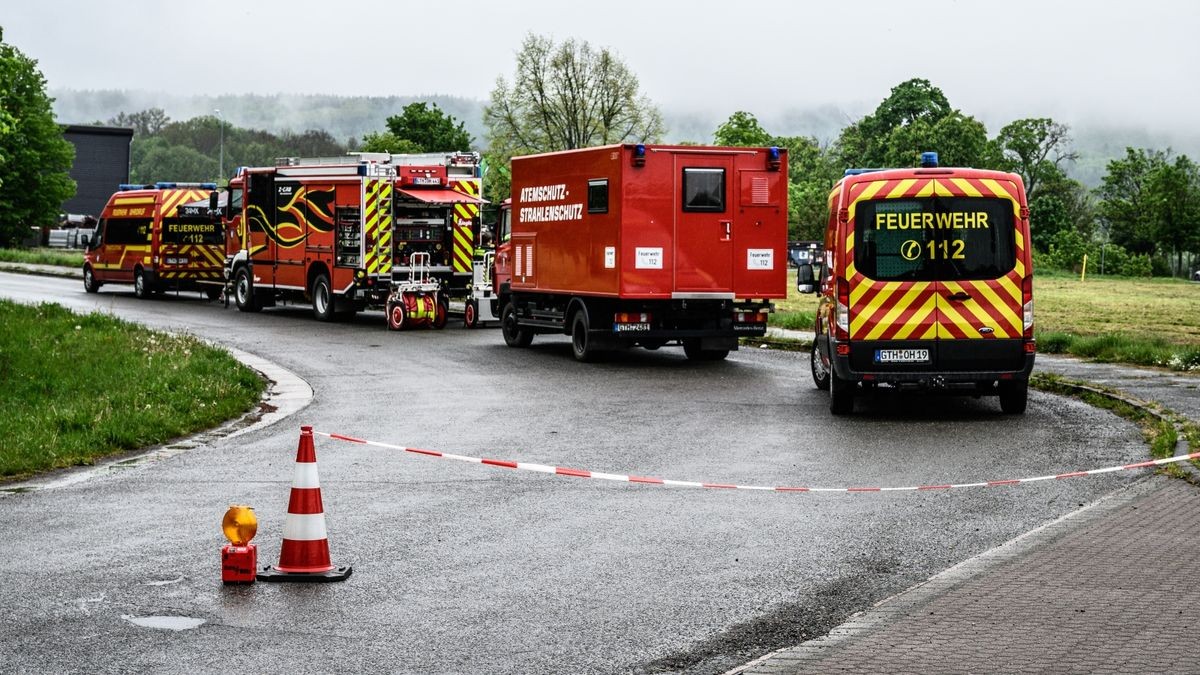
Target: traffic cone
[{"x": 304, "y": 555}]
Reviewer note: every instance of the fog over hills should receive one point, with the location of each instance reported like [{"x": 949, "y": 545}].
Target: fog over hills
[{"x": 349, "y": 117}]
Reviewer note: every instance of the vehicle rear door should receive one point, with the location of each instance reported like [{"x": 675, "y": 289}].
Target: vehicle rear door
[
  {"x": 977, "y": 251},
  {"x": 703, "y": 255}
]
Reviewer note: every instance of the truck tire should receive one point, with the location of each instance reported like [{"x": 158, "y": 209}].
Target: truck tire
[
  {"x": 1014, "y": 396},
  {"x": 841, "y": 395},
  {"x": 820, "y": 372},
  {"x": 691, "y": 349},
  {"x": 471, "y": 314},
  {"x": 243, "y": 291},
  {"x": 322, "y": 298},
  {"x": 90, "y": 284},
  {"x": 141, "y": 285},
  {"x": 582, "y": 347},
  {"x": 514, "y": 335}
]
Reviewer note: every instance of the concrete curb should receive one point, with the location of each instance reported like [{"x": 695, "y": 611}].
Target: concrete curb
[{"x": 42, "y": 270}]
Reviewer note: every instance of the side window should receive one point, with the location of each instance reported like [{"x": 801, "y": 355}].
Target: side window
[
  {"x": 98, "y": 236},
  {"x": 598, "y": 195},
  {"x": 704, "y": 190},
  {"x": 505, "y": 225},
  {"x": 235, "y": 202},
  {"x": 127, "y": 231}
]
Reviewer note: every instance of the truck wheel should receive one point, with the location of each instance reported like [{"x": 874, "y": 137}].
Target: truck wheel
[
  {"x": 691, "y": 349},
  {"x": 89, "y": 280},
  {"x": 322, "y": 298},
  {"x": 820, "y": 371},
  {"x": 1014, "y": 396},
  {"x": 141, "y": 285},
  {"x": 243, "y": 291},
  {"x": 514, "y": 335},
  {"x": 471, "y": 314},
  {"x": 397, "y": 315},
  {"x": 581, "y": 343},
  {"x": 841, "y": 395},
  {"x": 441, "y": 313}
]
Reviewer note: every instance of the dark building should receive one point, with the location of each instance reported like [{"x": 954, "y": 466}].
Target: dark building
[{"x": 101, "y": 164}]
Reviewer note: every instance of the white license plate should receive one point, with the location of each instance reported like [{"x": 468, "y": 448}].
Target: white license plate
[
  {"x": 630, "y": 327},
  {"x": 901, "y": 356}
]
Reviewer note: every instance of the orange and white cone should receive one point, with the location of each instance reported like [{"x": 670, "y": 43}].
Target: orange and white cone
[{"x": 304, "y": 555}]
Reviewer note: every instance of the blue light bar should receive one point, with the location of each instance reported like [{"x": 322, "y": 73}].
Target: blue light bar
[
  {"x": 774, "y": 152},
  {"x": 929, "y": 160},
  {"x": 857, "y": 172},
  {"x": 639, "y": 150},
  {"x": 125, "y": 187}
]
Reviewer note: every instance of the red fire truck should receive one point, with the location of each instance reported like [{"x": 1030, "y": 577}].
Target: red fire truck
[
  {"x": 644, "y": 245},
  {"x": 157, "y": 237},
  {"x": 313, "y": 230}
]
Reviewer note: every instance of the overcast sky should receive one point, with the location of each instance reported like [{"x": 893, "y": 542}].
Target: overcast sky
[{"x": 1126, "y": 63}]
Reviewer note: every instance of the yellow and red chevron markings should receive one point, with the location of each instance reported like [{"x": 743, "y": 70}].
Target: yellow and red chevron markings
[
  {"x": 921, "y": 310},
  {"x": 465, "y": 216}
]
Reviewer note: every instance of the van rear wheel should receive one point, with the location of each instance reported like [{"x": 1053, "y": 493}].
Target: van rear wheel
[
  {"x": 841, "y": 395},
  {"x": 1014, "y": 396}
]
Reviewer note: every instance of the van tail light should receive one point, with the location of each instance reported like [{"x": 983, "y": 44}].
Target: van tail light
[
  {"x": 632, "y": 317},
  {"x": 1027, "y": 308},
  {"x": 842, "y": 312}
]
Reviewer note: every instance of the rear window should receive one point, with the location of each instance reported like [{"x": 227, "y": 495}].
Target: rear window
[
  {"x": 192, "y": 231},
  {"x": 934, "y": 238}
]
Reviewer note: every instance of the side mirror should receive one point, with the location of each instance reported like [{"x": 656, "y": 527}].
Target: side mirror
[
  {"x": 84, "y": 241},
  {"x": 213, "y": 200},
  {"x": 805, "y": 282}
]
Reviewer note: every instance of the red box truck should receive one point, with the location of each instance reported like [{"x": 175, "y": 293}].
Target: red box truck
[{"x": 646, "y": 245}]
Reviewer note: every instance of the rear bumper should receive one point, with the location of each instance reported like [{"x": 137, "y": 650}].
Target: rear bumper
[{"x": 957, "y": 362}]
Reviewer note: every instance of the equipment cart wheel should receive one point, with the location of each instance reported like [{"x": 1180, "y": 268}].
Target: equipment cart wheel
[
  {"x": 514, "y": 335},
  {"x": 471, "y": 314},
  {"x": 820, "y": 371},
  {"x": 397, "y": 315},
  {"x": 441, "y": 312}
]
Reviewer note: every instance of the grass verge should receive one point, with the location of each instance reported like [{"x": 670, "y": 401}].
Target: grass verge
[
  {"x": 79, "y": 387},
  {"x": 42, "y": 256},
  {"x": 1160, "y": 433}
]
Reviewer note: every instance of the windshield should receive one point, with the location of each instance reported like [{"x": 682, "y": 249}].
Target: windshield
[{"x": 934, "y": 238}]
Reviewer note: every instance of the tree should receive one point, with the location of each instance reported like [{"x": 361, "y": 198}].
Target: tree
[
  {"x": 866, "y": 142},
  {"x": 1173, "y": 196},
  {"x": 428, "y": 129},
  {"x": 34, "y": 156},
  {"x": 1035, "y": 148},
  {"x": 567, "y": 96},
  {"x": 386, "y": 141},
  {"x": 1125, "y": 201},
  {"x": 148, "y": 122},
  {"x": 742, "y": 130}
]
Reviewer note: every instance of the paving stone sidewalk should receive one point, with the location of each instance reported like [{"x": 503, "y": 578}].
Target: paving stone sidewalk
[{"x": 1108, "y": 589}]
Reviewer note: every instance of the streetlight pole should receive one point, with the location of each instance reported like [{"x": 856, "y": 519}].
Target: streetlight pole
[{"x": 221, "y": 145}]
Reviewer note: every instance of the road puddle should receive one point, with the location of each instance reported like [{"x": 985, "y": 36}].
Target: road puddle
[{"x": 164, "y": 622}]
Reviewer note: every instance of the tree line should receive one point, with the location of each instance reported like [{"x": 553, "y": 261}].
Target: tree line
[{"x": 1144, "y": 217}]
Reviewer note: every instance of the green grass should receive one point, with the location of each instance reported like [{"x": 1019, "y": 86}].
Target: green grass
[
  {"x": 42, "y": 256},
  {"x": 80, "y": 387}
]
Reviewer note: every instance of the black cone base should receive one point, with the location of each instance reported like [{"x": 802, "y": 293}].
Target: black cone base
[{"x": 338, "y": 573}]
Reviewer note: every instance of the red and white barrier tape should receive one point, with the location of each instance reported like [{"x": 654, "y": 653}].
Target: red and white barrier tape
[{"x": 621, "y": 478}]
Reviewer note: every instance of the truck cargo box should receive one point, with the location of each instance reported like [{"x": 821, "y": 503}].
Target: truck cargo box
[{"x": 651, "y": 222}]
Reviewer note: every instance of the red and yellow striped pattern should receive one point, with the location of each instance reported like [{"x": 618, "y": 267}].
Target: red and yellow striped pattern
[
  {"x": 465, "y": 218},
  {"x": 377, "y": 226},
  {"x": 922, "y": 310}
]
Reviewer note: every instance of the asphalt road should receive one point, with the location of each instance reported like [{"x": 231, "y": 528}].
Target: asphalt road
[{"x": 465, "y": 568}]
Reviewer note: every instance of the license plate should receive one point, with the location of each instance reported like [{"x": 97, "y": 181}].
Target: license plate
[
  {"x": 901, "y": 356},
  {"x": 630, "y": 327}
]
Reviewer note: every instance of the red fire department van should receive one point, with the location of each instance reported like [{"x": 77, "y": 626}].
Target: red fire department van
[
  {"x": 312, "y": 230},
  {"x": 644, "y": 245},
  {"x": 157, "y": 237},
  {"x": 927, "y": 282}
]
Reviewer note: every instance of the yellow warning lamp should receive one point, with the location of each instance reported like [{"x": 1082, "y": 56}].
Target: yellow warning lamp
[{"x": 239, "y": 524}]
